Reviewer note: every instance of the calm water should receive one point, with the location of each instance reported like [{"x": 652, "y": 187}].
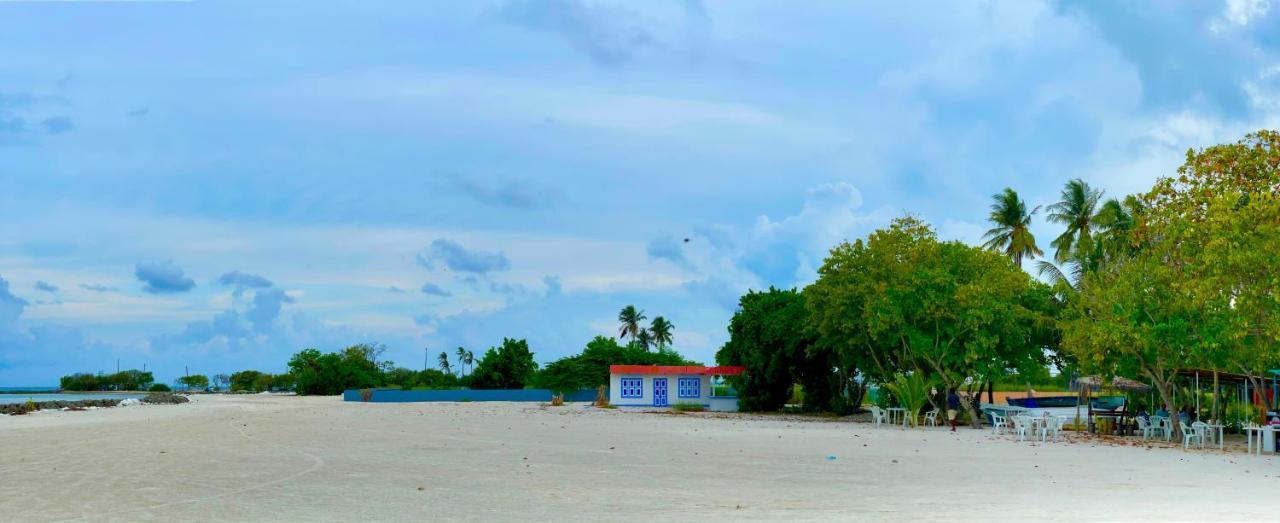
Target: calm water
[{"x": 70, "y": 396}]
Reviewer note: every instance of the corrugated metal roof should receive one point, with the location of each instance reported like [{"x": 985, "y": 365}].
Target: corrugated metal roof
[{"x": 724, "y": 370}]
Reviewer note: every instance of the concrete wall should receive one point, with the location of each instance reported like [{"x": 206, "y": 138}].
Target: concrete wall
[
  {"x": 673, "y": 391},
  {"x": 530, "y": 395}
]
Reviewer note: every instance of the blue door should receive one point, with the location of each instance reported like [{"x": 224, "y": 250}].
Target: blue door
[{"x": 659, "y": 392}]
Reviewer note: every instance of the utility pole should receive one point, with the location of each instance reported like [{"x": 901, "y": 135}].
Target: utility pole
[
  {"x": 117, "y": 365},
  {"x": 426, "y": 357}
]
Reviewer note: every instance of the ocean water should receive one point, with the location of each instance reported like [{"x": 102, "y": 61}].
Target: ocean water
[
  {"x": 70, "y": 396},
  {"x": 28, "y": 389}
]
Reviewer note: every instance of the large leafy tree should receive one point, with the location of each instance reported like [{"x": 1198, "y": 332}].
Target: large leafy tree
[
  {"x": 1220, "y": 219},
  {"x": 1076, "y": 210},
  {"x": 771, "y": 338},
  {"x": 1011, "y": 228},
  {"x": 903, "y": 302},
  {"x": 630, "y": 322},
  {"x": 1200, "y": 291},
  {"x": 508, "y": 366}
]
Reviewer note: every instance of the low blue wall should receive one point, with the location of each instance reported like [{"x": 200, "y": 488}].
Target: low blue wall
[{"x": 401, "y": 396}]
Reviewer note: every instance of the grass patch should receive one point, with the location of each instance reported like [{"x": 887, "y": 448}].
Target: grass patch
[{"x": 688, "y": 407}]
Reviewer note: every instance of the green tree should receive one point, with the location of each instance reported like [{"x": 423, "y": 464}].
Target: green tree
[
  {"x": 82, "y": 381},
  {"x": 630, "y": 320},
  {"x": 1076, "y": 210},
  {"x": 315, "y": 373},
  {"x": 435, "y": 379},
  {"x": 509, "y": 366},
  {"x": 443, "y": 359},
  {"x": 660, "y": 330},
  {"x": 462, "y": 360},
  {"x": 194, "y": 381},
  {"x": 769, "y": 335},
  {"x": 1011, "y": 231},
  {"x": 903, "y": 302},
  {"x": 590, "y": 368},
  {"x": 643, "y": 340},
  {"x": 912, "y": 393},
  {"x": 246, "y": 380}
]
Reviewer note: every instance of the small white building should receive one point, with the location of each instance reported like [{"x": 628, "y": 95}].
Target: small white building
[{"x": 665, "y": 385}]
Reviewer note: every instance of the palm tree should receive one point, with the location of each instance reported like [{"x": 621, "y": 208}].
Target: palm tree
[
  {"x": 1117, "y": 220},
  {"x": 660, "y": 331},
  {"x": 643, "y": 340},
  {"x": 462, "y": 361},
  {"x": 630, "y": 319},
  {"x": 470, "y": 360},
  {"x": 444, "y": 362},
  {"x": 1012, "y": 233},
  {"x": 1076, "y": 210}
]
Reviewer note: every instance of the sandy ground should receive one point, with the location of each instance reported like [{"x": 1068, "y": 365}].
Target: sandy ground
[{"x": 254, "y": 458}]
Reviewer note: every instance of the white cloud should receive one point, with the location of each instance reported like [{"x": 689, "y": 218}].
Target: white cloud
[{"x": 1239, "y": 13}]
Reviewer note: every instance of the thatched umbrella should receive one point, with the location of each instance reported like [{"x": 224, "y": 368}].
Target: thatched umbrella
[{"x": 1118, "y": 382}]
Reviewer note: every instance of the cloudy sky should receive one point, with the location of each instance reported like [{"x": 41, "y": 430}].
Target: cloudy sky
[{"x": 218, "y": 184}]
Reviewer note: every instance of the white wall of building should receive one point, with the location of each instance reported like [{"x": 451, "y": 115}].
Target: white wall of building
[{"x": 673, "y": 392}]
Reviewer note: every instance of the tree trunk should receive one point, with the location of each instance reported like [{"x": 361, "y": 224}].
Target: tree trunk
[
  {"x": 1176, "y": 422},
  {"x": 991, "y": 387}
]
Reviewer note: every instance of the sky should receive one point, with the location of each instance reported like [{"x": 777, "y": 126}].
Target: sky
[{"x": 212, "y": 186}]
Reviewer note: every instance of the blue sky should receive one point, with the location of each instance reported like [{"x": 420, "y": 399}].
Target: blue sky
[{"x": 218, "y": 184}]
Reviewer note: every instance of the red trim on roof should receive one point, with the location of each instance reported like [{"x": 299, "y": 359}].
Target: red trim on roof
[{"x": 723, "y": 370}]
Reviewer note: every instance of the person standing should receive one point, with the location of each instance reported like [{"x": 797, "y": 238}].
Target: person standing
[{"x": 953, "y": 407}]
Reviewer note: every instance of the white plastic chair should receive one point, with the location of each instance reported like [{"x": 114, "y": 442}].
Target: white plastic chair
[
  {"x": 931, "y": 418},
  {"x": 1190, "y": 434},
  {"x": 878, "y": 416},
  {"x": 1145, "y": 427},
  {"x": 1021, "y": 425},
  {"x": 998, "y": 424},
  {"x": 1052, "y": 425},
  {"x": 1162, "y": 424}
]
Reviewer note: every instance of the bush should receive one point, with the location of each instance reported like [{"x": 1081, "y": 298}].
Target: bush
[{"x": 158, "y": 387}]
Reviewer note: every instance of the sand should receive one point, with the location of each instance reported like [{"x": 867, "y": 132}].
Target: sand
[{"x": 255, "y": 458}]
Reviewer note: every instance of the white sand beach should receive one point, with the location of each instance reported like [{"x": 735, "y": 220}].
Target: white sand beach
[{"x": 259, "y": 458}]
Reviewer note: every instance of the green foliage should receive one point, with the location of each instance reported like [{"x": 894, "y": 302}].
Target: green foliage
[
  {"x": 158, "y": 387},
  {"x": 1011, "y": 234},
  {"x": 356, "y": 367},
  {"x": 509, "y": 366},
  {"x": 1199, "y": 288},
  {"x": 435, "y": 379},
  {"x": 903, "y": 302},
  {"x": 1076, "y": 210},
  {"x": 629, "y": 322},
  {"x": 769, "y": 336},
  {"x": 911, "y": 392},
  {"x": 590, "y": 368},
  {"x": 194, "y": 381},
  {"x": 124, "y": 380},
  {"x": 685, "y": 406}
]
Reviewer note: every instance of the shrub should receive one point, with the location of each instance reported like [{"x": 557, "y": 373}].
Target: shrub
[
  {"x": 158, "y": 387},
  {"x": 688, "y": 407}
]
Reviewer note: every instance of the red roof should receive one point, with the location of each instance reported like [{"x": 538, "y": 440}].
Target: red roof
[{"x": 727, "y": 370}]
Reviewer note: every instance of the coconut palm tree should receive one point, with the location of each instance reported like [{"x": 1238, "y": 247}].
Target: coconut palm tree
[
  {"x": 629, "y": 318},
  {"x": 444, "y": 362},
  {"x": 471, "y": 360},
  {"x": 1076, "y": 210},
  {"x": 462, "y": 361},
  {"x": 1116, "y": 220},
  {"x": 660, "y": 330},
  {"x": 1012, "y": 233},
  {"x": 643, "y": 339}
]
